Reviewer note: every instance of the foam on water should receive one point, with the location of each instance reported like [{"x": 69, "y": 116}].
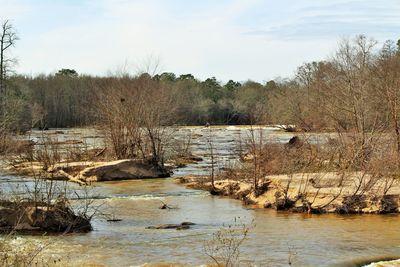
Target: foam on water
[{"x": 160, "y": 196}]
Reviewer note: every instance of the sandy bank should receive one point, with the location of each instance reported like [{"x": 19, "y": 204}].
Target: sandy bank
[{"x": 308, "y": 192}]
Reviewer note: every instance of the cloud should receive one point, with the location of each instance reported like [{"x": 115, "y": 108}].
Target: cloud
[
  {"x": 328, "y": 29},
  {"x": 229, "y": 39},
  {"x": 13, "y": 9},
  {"x": 327, "y": 20}
]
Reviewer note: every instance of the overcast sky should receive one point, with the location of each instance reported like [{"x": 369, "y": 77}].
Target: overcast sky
[{"x": 228, "y": 39}]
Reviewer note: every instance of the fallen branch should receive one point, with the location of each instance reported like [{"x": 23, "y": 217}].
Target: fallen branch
[{"x": 71, "y": 178}]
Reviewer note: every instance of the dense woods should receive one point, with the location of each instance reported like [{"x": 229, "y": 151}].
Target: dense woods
[
  {"x": 65, "y": 100},
  {"x": 357, "y": 89}
]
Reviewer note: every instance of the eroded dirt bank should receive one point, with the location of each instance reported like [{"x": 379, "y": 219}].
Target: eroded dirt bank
[{"x": 309, "y": 193}]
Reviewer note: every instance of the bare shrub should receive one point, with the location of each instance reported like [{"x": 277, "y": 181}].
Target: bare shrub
[
  {"x": 24, "y": 255},
  {"x": 50, "y": 206},
  {"x": 134, "y": 117},
  {"x": 224, "y": 247}
]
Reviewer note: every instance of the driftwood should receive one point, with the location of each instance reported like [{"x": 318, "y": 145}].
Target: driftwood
[
  {"x": 71, "y": 178},
  {"x": 165, "y": 206},
  {"x": 101, "y": 152}
]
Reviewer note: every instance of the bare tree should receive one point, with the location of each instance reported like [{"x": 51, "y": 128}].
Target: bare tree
[
  {"x": 347, "y": 86},
  {"x": 387, "y": 81},
  {"x": 135, "y": 116},
  {"x": 211, "y": 150},
  {"x": 8, "y": 38},
  {"x": 255, "y": 146}
]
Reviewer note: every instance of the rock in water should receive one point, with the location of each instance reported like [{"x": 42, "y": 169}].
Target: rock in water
[
  {"x": 181, "y": 226},
  {"x": 122, "y": 170},
  {"x": 295, "y": 141}
]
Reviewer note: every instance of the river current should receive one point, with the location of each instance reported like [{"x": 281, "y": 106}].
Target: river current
[{"x": 308, "y": 240}]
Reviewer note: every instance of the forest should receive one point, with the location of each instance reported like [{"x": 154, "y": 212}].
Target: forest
[{"x": 357, "y": 88}]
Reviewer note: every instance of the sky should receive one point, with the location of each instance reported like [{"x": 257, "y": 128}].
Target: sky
[{"x": 228, "y": 39}]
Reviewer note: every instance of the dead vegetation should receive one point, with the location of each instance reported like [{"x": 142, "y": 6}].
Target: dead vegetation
[
  {"x": 355, "y": 95},
  {"x": 333, "y": 174},
  {"x": 45, "y": 206},
  {"x": 134, "y": 119},
  {"x": 224, "y": 248},
  {"x": 58, "y": 157},
  {"x": 26, "y": 254}
]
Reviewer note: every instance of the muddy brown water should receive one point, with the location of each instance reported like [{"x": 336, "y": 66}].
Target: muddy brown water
[{"x": 309, "y": 240}]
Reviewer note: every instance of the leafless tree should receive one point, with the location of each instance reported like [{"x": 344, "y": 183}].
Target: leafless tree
[
  {"x": 211, "y": 151},
  {"x": 387, "y": 83},
  {"x": 8, "y": 38},
  {"x": 255, "y": 145},
  {"x": 134, "y": 113}
]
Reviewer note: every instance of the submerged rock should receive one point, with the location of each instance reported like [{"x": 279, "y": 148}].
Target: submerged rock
[
  {"x": 184, "y": 160},
  {"x": 295, "y": 142},
  {"x": 181, "y": 226}
]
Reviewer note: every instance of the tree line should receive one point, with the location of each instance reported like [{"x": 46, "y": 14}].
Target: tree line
[
  {"x": 67, "y": 100},
  {"x": 356, "y": 89}
]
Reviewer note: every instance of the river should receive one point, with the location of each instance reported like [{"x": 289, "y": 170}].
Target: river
[{"x": 310, "y": 240}]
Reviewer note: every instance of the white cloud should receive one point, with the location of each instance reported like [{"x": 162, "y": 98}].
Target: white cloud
[{"x": 206, "y": 39}]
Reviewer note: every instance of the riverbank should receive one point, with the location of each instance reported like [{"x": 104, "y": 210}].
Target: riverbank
[
  {"x": 137, "y": 203},
  {"x": 29, "y": 216},
  {"x": 305, "y": 193}
]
